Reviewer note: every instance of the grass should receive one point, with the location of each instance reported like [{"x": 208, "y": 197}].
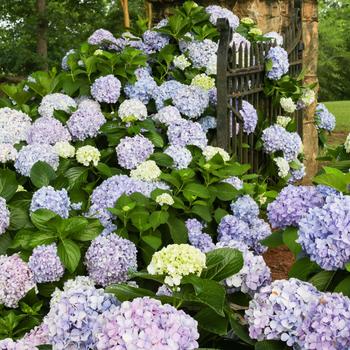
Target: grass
[{"x": 341, "y": 110}]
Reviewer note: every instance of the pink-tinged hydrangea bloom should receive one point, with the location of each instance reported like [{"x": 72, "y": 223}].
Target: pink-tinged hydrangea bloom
[
  {"x": 10, "y": 344},
  {"x": 37, "y": 336},
  {"x": 110, "y": 258},
  {"x": 16, "y": 280},
  {"x": 145, "y": 323},
  {"x": 4, "y": 216},
  {"x": 106, "y": 89}
]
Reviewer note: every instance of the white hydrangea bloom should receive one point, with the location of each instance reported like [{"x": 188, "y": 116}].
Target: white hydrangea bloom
[
  {"x": 283, "y": 166},
  {"x": 131, "y": 110},
  {"x": 283, "y": 121},
  {"x": 347, "y": 144},
  {"x": 165, "y": 198},
  {"x": 64, "y": 149},
  {"x": 56, "y": 102},
  {"x": 181, "y": 62},
  {"x": 209, "y": 152},
  {"x": 147, "y": 171},
  {"x": 308, "y": 97},
  {"x": 278, "y": 38},
  {"x": 7, "y": 153},
  {"x": 87, "y": 154},
  {"x": 288, "y": 104},
  {"x": 211, "y": 68}
]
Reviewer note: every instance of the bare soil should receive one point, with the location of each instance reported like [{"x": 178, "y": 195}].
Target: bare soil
[{"x": 280, "y": 261}]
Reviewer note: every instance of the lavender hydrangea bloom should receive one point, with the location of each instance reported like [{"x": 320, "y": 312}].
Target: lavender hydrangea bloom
[
  {"x": 55, "y": 200},
  {"x": 276, "y": 37},
  {"x": 163, "y": 328},
  {"x": 217, "y": 12},
  {"x": 14, "y": 126},
  {"x": 165, "y": 92},
  {"x": 181, "y": 156},
  {"x": 231, "y": 227},
  {"x": 132, "y": 151},
  {"x": 254, "y": 274},
  {"x": 280, "y": 64},
  {"x": 167, "y": 115},
  {"x": 31, "y": 154},
  {"x": 37, "y": 336},
  {"x": 197, "y": 237},
  {"x": 64, "y": 63},
  {"x": 207, "y": 123},
  {"x": 72, "y": 318},
  {"x": 47, "y": 130},
  {"x": 326, "y": 190},
  {"x": 184, "y": 132},
  {"x": 325, "y": 120},
  {"x": 45, "y": 264},
  {"x": 249, "y": 116},
  {"x": 324, "y": 233},
  {"x": 191, "y": 101},
  {"x": 292, "y": 204},
  {"x": 245, "y": 208},
  {"x": 10, "y": 344},
  {"x": 236, "y": 182},
  {"x": 16, "y": 280},
  {"x": 101, "y": 37},
  {"x": 297, "y": 174},
  {"x": 109, "y": 258},
  {"x": 56, "y": 102},
  {"x": 85, "y": 122},
  {"x": 213, "y": 96},
  {"x": 200, "y": 52},
  {"x": 154, "y": 41},
  {"x": 259, "y": 230},
  {"x": 106, "y": 89},
  {"x": 4, "y": 216}
]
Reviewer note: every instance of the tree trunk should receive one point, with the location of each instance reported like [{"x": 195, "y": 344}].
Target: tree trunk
[
  {"x": 42, "y": 27},
  {"x": 125, "y": 7}
]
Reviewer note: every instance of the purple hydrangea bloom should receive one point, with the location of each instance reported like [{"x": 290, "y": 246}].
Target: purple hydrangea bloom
[
  {"x": 4, "y": 216},
  {"x": 47, "y": 130},
  {"x": 292, "y": 204},
  {"x": 31, "y": 154},
  {"x": 85, "y": 122},
  {"x": 250, "y": 117},
  {"x": 324, "y": 233},
  {"x": 259, "y": 230},
  {"x": 72, "y": 318},
  {"x": 184, "y": 132},
  {"x": 181, "y": 156},
  {"x": 231, "y": 227},
  {"x": 106, "y": 89},
  {"x": 325, "y": 120},
  {"x": 132, "y": 151},
  {"x": 276, "y": 138},
  {"x": 165, "y": 92},
  {"x": 101, "y": 37},
  {"x": 145, "y": 324},
  {"x": 245, "y": 208},
  {"x": 280, "y": 64},
  {"x": 197, "y": 237},
  {"x": 191, "y": 101},
  {"x": 297, "y": 174},
  {"x": 55, "y": 200},
  {"x": 217, "y": 12},
  {"x": 167, "y": 115},
  {"x": 207, "y": 123},
  {"x": 154, "y": 41},
  {"x": 236, "y": 182},
  {"x": 45, "y": 264},
  {"x": 16, "y": 280},
  {"x": 201, "y": 52},
  {"x": 109, "y": 258}
]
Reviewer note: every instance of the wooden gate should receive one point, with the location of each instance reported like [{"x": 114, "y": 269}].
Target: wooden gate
[{"x": 240, "y": 76}]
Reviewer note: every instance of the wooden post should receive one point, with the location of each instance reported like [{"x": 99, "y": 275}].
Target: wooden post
[{"x": 41, "y": 38}]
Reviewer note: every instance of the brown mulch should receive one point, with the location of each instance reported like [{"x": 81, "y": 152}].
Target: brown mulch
[{"x": 280, "y": 261}]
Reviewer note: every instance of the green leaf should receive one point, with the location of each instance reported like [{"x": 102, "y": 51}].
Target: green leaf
[
  {"x": 274, "y": 240},
  {"x": 219, "y": 214},
  {"x": 344, "y": 287},
  {"x": 162, "y": 159},
  {"x": 8, "y": 184},
  {"x": 224, "y": 191},
  {"x": 76, "y": 176},
  {"x": 124, "y": 292},
  {"x": 5, "y": 242},
  {"x": 139, "y": 218},
  {"x": 39, "y": 238},
  {"x": 290, "y": 235},
  {"x": 91, "y": 231},
  {"x": 69, "y": 253},
  {"x": 194, "y": 190},
  {"x": 270, "y": 345},
  {"x": 238, "y": 329},
  {"x": 336, "y": 179},
  {"x": 104, "y": 169},
  {"x": 178, "y": 230},
  {"x": 302, "y": 268},
  {"x": 42, "y": 174},
  {"x": 211, "y": 321},
  {"x": 158, "y": 218},
  {"x": 203, "y": 212},
  {"x": 155, "y": 138},
  {"x": 322, "y": 280},
  {"x": 41, "y": 217}
]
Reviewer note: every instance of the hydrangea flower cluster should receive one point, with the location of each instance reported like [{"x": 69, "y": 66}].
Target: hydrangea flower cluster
[
  {"x": 145, "y": 324},
  {"x": 203, "y": 81},
  {"x": 288, "y": 104},
  {"x": 31, "y": 154},
  {"x": 14, "y": 126},
  {"x": 72, "y": 318},
  {"x": 106, "y": 89},
  {"x": 132, "y": 151},
  {"x": 64, "y": 149},
  {"x": 236, "y": 182},
  {"x": 217, "y": 12},
  {"x": 45, "y": 264},
  {"x": 297, "y": 174},
  {"x": 245, "y": 208},
  {"x": 165, "y": 199},
  {"x": 283, "y": 121},
  {"x": 197, "y": 237},
  {"x": 56, "y": 102},
  {"x": 101, "y": 37},
  {"x": 276, "y": 37},
  {"x": 154, "y": 41},
  {"x": 181, "y": 156},
  {"x": 37, "y": 336},
  {"x": 165, "y": 92},
  {"x": 4, "y": 216},
  {"x": 324, "y": 233},
  {"x": 64, "y": 63},
  {"x": 9, "y": 344},
  {"x": 131, "y": 110},
  {"x": 181, "y": 62},
  {"x": 176, "y": 261},
  {"x": 249, "y": 116},
  {"x": 16, "y": 280},
  {"x": 88, "y": 154},
  {"x": 283, "y": 166},
  {"x": 55, "y": 200},
  {"x": 201, "y": 52},
  {"x": 109, "y": 258},
  {"x": 209, "y": 152},
  {"x": 207, "y": 123},
  {"x": 292, "y": 204},
  {"x": 7, "y": 153},
  {"x": 325, "y": 120},
  {"x": 147, "y": 171},
  {"x": 279, "y": 63},
  {"x": 167, "y": 115},
  {"x": 47, "y": 130}
]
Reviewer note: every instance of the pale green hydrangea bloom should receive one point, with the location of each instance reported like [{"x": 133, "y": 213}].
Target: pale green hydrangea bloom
[{"x": 88, "y": 154}]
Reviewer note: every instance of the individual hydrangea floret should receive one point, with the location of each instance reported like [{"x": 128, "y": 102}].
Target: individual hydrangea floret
[
  {"x": 292, "y": 204},
  {"x": 4, "y": 216},
  {"x": 217, "y": 12},
  {"x": 88, "y": 154},
  {"x": 101, "y": 37},
  {"x": 181, "y": 62},
  {"x": 207, "y": 123},
  {"x": 45, "y": 264},
  {"x": 283, "y": 167},
  {"x": 249, "y": 116},
  {"x": 200, "y": 52},
  {"x": 16, "y": 280},
  {"x": 325, "y": 120},
  {"x": 145, "y": 324},
  {"x": 197, "y": 237},
  {"x": 167, "y": 115},
  {"x": 31, "y": 154},
  {"x": 14, "y": 126},
  {"x": 64, "y": 149},
  {"x": 154, "y": 41},
  {"x": 184, "y": 132},
  {"x": 288, "y": 104},
  {"x": 203, "y": 81},
  {"x": 106, "y": 89},
  {"x": 165, "y": 92},
  {"x": 245, "y": 208},
  {"x": 276, "y": 37},
  {"x": 176, "y": 261},
  {"x": 324, "y": 233},
  {"x": 131, "y": 110},
  {"x": 55, "y": 200},
  {"x": 236, "y": 182},
  {"x": 47, "y": 130},
  {"x": 278, "y": 57},
  {"x": 7, "y": 153},
  {"x": 181, "y": 156},
  {"x": 56, "y": 102},
  {"x": 110, "y": 258},
  {"x": 132, "y": 151},
  {"x": 191, "y": 101},
  {"x": 148, "y": 171},
  {"x": 210, "y": 151},
  {"x": 165, "y": 199}
]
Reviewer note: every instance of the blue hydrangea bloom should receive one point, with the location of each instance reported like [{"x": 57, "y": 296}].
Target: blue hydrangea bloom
[
  {"x": 207, "y": 123},
  {"x": 197, "y": 237},
  {"x": 280, "y": 64},
  {"x": 165, "y": 92},
  {"x": 236, "y": 182},
  {"x": 326, "y": 190},
  {"x": 231, "y": 227},
  {"x": 106, "y": 89},
  {"x": 201, "y": 52},
  {"x": 181, "y": 156},
  {"x": 245, "y": 208},
  {"x": 154, "y": 41},
  {"x": 325, "y": 120},
  {"x": 4, "y": 216},
  {"x": 249, "y": 116},
  {"x": 217, "y": 12}
]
